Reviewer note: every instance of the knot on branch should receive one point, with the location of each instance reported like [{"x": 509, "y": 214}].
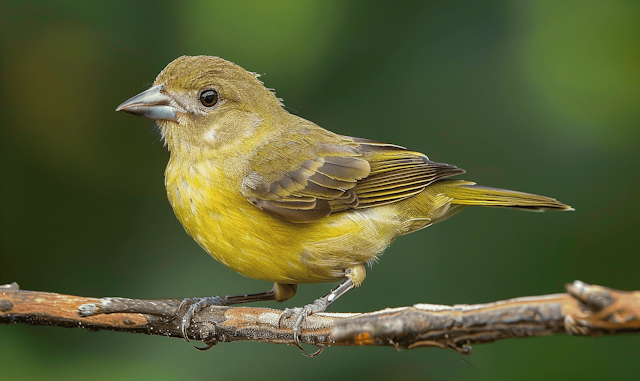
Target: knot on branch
[{"x": 601, "y": 310}]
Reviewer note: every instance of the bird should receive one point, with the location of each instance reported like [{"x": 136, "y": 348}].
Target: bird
[{"x": 278, "y": 198}]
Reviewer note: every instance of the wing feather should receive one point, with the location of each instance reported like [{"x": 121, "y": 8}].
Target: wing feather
[{"x": 307, "y": 175}]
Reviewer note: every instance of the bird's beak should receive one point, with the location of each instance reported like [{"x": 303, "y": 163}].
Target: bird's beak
[{"x": 153, "y": 103}]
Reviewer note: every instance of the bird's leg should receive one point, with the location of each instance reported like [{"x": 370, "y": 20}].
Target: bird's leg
[
  {"x": 280, "y": 292},
  {"x": 355, "y": 276}
]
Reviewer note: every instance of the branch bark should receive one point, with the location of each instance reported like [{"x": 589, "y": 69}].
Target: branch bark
[{"x": 584, "y": 310}]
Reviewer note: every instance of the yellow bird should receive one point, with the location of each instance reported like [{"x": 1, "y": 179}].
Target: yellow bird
[{"x": 278, "y": 198}]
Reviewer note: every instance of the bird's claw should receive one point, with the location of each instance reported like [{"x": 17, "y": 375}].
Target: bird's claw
[
  {"x": 319, "y": 305},
  {"x": 195, "y": 306}
]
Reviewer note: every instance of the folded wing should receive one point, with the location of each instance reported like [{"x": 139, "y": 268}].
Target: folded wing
[{"x": 306, "y": 176}]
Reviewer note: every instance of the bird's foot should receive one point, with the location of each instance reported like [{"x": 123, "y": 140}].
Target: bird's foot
[
  {"x": 195, "y": 305},
  {"x": 300, "y": 313},
  {"x": 320, "y": 305}
]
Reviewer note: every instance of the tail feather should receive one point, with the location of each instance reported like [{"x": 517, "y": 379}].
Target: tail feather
[{"x": 468, "y": 193}]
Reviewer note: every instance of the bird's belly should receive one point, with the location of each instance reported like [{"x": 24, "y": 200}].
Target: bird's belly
[{"x": 260, "y": 246}]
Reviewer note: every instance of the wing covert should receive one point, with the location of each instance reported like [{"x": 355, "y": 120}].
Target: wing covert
[{"x": 299, "y": 176}]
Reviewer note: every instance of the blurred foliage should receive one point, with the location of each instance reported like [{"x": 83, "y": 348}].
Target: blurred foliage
[{"x": 539, "y": 96}]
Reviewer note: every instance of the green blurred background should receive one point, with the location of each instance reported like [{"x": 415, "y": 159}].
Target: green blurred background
[{"x": 537, "y": 96}]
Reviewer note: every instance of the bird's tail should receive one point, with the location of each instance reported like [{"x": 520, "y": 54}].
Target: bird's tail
[{"x": 468, "y": 193}]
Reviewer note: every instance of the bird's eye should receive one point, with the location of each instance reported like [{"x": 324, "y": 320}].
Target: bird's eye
[{"x": 209, "y": 98}]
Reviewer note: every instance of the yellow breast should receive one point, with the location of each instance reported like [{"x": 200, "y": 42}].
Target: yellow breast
[
  {"x": 208, "y": 202},
  {"x": 209, "y": 205}
]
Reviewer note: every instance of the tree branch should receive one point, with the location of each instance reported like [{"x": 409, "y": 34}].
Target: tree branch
[{"x": 585, "y": 310}]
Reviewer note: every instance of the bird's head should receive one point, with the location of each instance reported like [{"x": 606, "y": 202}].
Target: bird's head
[{"x": 205, "y": 101}]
